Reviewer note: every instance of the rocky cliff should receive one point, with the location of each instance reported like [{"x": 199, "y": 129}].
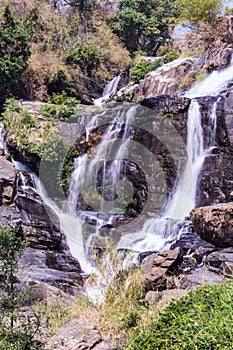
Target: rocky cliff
[{"x": 47, "y": 258}]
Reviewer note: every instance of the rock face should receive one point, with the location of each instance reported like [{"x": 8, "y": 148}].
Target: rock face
[
  {"x": 38, "y": 228},
  {"x": 167, "y": 79},
  {"x": 158, "y": 265},
  {"x": 216, "y": 180},
  {"x": 48, "y": 259},
  {"x": 214, "y": 223},
  {"x": 7, "y": 181},
  {"x": 199, "y": 277},
  {"x": 77, "y": 334},
  {"x": 57, "y": 269},
  {"x": 222, "y": 261}
]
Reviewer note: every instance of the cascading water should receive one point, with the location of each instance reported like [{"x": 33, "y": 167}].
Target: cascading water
[
  {"x": 109, "y": 89},
  {"x": 215, "y": 83},
  {"x": 157, "y": 233}
]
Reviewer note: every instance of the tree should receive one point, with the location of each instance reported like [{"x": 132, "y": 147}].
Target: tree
[
  {"x": 143, "y": 25},
  {"x": 16, "y": 326},
  {"x": 14, "y": 54},
  {"x": 195, "y": 11}
]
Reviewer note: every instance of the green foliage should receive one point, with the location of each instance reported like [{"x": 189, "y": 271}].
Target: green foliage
[
  {"x": 143, "y": 25},
  {"x": 18, "y": 322},
  {"x": 22, "y": 125},
  {"x": 201, "y": 320},
  {"x": 67, "y": 165},
  {"x": 228, "y": 11},
  {"x": 139, "y": 71},
  {"x": 60, "y": 107},
  {"x": 196, "y": 11},
  {"x": 14, "y": 54},
  {"x": 84, "y": 56}
]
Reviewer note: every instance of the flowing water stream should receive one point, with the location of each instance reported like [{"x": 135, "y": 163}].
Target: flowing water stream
[{"x": 109, "y": 89}]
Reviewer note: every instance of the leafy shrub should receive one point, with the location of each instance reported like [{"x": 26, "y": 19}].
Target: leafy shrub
[
  {"x": 60, "y": 106},
  {"x": 85, "y": 56},
  {"x": 139, "y": 71},
  {"x": 201, "y": 320}
]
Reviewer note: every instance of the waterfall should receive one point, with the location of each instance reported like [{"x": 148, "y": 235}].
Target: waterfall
[
  {"x": 109, "y": 156},
  {"x": 2, "y": 138},
  {"x": 110, "y": 88},
  {"x": 213, "y": 84},
  {"x": 99, "y": 177},
  {"x": 159, "y": 233}
]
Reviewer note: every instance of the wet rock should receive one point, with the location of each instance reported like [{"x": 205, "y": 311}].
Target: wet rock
[
  {"x": 167, "y": 103},
  {"x": 214, "y": 223},
  {"x": 158, "y": 265},
  {"x": 40, "y": 225},
  {"x": 125, "y": 93},
  {"x": 216, "y": 180},
  {"x": 162, "y": 299},
  {"x": 36, "y": 268},
  {"x": 228, "y": 109},
  {"x": 7, "y": 181}
]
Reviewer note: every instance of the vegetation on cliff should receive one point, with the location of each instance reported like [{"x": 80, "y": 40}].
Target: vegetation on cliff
[
  {"x": 20, "y": 324},
  {"x": 76, "y": 46}
]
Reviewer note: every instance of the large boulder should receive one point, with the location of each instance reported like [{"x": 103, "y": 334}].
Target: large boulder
[
  {"x": 214, "y": 223},
  {"x": 200, "y": 277},
  {"x": 158, "y": 265},
  {"x": 80, "y": 334},
  {"x": 221, "y": 260},
  {"x": 57, "y": 269}
]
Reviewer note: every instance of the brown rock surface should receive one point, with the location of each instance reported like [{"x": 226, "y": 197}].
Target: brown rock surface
[
  {"x": 79, "y": 335},
  {"x": 214, "y": 223},
  {"x": 157, "y": 265}
]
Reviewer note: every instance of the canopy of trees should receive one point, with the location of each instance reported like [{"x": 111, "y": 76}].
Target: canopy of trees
[
  {"x": 143, "y": 25},
  {"x": 14, "y": 54},
  {"x": 195, "y": 11}
]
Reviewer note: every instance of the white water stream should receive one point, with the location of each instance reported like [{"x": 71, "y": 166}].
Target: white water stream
[
  {"x": 213, "y": 84},
  {"x": 109, "y": 89}
]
